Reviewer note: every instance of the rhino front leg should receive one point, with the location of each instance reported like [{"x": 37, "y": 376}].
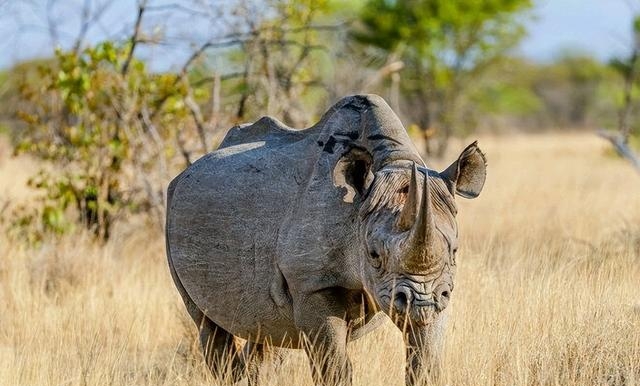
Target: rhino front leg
[
  {"x": 424, "y": 353},
  {"x": 319, "y": 317},
  {"x": 254, "y": 354}
]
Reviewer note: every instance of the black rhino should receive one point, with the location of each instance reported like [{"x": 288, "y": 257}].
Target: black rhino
[{"x": 301, "y": 238}]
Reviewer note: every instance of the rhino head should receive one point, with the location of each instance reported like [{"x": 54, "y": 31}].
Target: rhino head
[
  {"x": 407, "y": 213},
  {"x": 410, "y": 236}
]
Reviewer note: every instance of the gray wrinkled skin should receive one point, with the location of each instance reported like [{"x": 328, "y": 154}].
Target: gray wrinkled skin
[{"x": 282, "y": 234}]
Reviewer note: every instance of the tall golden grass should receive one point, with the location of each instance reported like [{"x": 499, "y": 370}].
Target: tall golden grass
[{"x": 547, "y": 293}]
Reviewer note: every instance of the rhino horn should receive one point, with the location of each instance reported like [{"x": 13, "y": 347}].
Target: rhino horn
[
  {"x": 407, "y": 217},
  {"x": 417, "y": 243}
]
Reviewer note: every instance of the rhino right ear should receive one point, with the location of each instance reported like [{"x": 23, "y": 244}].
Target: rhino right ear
[
  {"x": 353, "y": 173},
  {"x": 467, "y": 174}
]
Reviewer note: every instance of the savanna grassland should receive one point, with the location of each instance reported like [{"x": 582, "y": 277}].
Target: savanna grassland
[{"x": 547, "y": 292}]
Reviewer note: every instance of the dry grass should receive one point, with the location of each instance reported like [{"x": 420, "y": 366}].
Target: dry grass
[{"x": 548, "y": 289}]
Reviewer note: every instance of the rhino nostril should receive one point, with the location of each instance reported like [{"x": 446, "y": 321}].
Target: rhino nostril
[
  {"x": 441, "y": 296},
  {"x": 401, "y": 302}
]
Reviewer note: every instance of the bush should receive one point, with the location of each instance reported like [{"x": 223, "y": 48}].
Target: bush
[{"x": 106, "y": 124}]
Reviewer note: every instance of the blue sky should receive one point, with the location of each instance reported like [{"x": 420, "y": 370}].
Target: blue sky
[
  {"x": 597, "y": 27},
  {"x": 601, "y": 28}
]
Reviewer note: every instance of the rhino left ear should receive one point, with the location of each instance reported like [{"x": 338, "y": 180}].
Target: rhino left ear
[
  {"x": 353, "y": 174},
  {"x": 467, "y": 174}
]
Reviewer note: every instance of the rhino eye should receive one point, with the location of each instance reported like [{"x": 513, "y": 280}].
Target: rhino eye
[{"x": 376, "y": 261}]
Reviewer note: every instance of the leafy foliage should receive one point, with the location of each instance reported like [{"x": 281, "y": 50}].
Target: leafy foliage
[
  {"x": 444, "y": 46},
  {"x": 285, "y": 61},
  {"x": 104, "y": 131},
  {"x": 574, "y": 91},
  {"x": 629, "y": 68},
  {"x": 112, "y": 133}
]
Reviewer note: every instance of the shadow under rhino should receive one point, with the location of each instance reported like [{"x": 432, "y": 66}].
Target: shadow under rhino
[{"x": 301, "y": 238}]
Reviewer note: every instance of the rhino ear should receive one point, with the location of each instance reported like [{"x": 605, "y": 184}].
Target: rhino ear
[
  {"x": 353, "y": 173},
  {"x": 467, "y": 174}
]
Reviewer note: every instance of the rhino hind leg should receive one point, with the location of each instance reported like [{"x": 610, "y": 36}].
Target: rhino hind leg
[
  {"x": 220, "y": 351},
  {"x": 218, "y": 345}
]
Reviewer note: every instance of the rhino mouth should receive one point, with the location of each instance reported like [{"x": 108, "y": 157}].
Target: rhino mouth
[{"x": 407, "y": 299}]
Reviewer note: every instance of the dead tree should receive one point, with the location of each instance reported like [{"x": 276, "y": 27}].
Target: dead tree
[
  {"x": 621, "y": 146},
  {"x": 629, "y": 68}
]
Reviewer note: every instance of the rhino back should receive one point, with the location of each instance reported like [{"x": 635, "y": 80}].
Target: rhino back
[
  {"x": 266, "y": 128},
  {"x": 222, "y": 226}
]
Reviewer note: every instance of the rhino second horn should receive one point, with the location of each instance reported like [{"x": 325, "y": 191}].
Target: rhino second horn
[
  {"x": 409, "y": 211},
  {"x": 421, "y": 235}
]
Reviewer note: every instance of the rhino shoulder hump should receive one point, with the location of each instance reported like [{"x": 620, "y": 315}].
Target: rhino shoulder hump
[{"x": 258, "y": 131}]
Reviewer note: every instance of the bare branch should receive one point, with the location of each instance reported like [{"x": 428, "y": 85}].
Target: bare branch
[
  {"x": 217, "y": 77},
  {"x": 210, "y": 44},
  {"x": 622, "y": 147},
  {"x": 311, "y": 27},
  {"x": 51, "y": 23},
  {"x": 134, "y": 37},
  {"x": 392, "y": 66},
  {"x": 183, "y": 149},
  {"x": 175, "y": 7},
  {"x": 630, "y": 78},
  {"x": 215, "y": 101},
  {"x": 4, "y": 207},
  {"x": 89, "y": 19},
  {"x": 199, "y": 121},
  {"x": 84, "y": 25}
]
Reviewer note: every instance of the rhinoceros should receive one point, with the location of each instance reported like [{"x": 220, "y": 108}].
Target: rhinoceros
[{"x": 304, "y": 238}]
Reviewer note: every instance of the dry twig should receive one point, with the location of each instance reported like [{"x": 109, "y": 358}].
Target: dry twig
[{"x": 621, "y": 146}]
